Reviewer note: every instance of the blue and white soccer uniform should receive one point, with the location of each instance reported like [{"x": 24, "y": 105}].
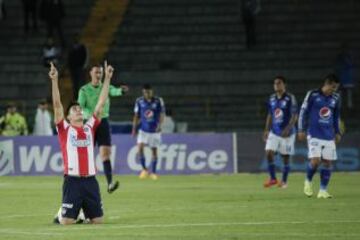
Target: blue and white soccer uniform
[
  {"x": 149, "y": 113},
  {"x": 281, "y": 111},
  {"x": 320, "y": 115}
]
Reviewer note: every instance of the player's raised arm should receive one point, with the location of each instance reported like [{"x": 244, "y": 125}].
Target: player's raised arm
[
  {"x": 109, "y": 70},
  {"x": 136, "y": 119},
  {"x": 58, "y": 107}
]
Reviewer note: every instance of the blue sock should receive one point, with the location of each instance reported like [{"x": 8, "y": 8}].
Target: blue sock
[
  {"x": 310, "y": 171},
  {"x": 271, "y": 169},
  {"x": 153, "y": 166},
  {"x": 286, "y": 171},
  {"x": 325, "y": 175},
  {"x": 142, "y": 161}
]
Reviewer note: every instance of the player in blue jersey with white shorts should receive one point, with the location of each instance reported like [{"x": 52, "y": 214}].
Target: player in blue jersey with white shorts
[
  {"x": 149, "y": 112},
  {"x": 320, "y": 116},
  {"x": 279, "y": 133}
]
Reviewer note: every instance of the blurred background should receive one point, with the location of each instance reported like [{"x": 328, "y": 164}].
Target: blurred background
[{"x": 213, "y": 61}]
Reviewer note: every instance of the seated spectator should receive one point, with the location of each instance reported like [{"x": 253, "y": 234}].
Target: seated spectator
[
  {"x": 42, "y": 125},
  {"x": 13, "y": 123},
  {"x": 168, "y": 125},
  {"x": 50, "y": 53}
]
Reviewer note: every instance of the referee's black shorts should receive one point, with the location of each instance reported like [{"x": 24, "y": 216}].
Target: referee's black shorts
[
  {"x": 102, "y": 134},
  {"x": 81, "y": 192}
]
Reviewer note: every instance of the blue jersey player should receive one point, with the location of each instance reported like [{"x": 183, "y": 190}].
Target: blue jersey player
[
  {"x": 149, "y": 111},
  {"x": 320, "y": 116},
  {"x": 279, "y": 133}
]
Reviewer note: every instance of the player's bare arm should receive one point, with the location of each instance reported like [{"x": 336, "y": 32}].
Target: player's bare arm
[
  {"x": 135, "y": 124},
  {"x": 109, "y": 70},
  {"x": 267, "y": 127},
  {"x": 292, "y": 122},
  {"x": 58, "y": 107}
]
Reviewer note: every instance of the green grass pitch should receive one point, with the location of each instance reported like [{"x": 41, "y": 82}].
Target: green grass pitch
[{"x": 187, "y": 207}]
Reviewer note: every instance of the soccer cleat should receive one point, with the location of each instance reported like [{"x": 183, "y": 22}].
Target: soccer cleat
[
  {"x": 270, "y": 183},
  {"x": 153, "y": 176},
  {"x": 323, "y": 194},
  {"x": 113, "y": 186},
  {"x": 144, "y": 174},
  {"x": 282, "y": 185},
  {"x": 56, "y": 220},
  {"x": 308, "y": 190}
]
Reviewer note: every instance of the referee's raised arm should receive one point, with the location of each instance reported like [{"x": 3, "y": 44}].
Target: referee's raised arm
[
  {"x": 58, "y": 107},
  {"x": 104, "y": 94}
]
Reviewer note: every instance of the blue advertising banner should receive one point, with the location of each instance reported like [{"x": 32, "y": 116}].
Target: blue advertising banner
[{"x": 178, "y": 154}]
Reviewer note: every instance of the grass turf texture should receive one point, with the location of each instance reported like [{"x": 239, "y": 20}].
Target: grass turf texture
[{"x": 187, "y": 207}]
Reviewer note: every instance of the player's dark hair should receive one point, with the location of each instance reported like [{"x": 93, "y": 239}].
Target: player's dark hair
[
  {"x": 73, "y": 103},
  {"x": 281, "y": 78},
  {"x": 331, "y": 78},
  {"x": 99, "y": 65},
  {"x": 147, "y": 86}
]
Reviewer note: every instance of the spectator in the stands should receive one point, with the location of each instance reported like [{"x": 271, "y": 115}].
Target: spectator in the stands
[
  {"x": 42, "y": 125},
  {"x": 344, "y": 68},
  {"x": 78, "y": 60},
  {"x": 249, "y": 9},
  {"x": 13, "y": 123},
  {"x": 2, "y": 10},
  {"x": 52, "y": 12},
  {"x": 168, "y": 125},
  {"x": 50, "y": 53},
  {"x": 30, "y": 13}
]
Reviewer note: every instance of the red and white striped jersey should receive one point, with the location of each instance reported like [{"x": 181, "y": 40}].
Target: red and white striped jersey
[{"x": 77, "y": 147}]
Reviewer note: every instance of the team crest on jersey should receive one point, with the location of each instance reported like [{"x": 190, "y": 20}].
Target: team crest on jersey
[
  {"x": 283, "y": 103},
  {"x": 153, "y": 105},
  {"x": 278, "y": 113},
  {"x": 332, "y": 103},
  {"x": 86, "y": 129},
  {"x": 149, "y": 114},
  {"x": 325, "y": 113}
]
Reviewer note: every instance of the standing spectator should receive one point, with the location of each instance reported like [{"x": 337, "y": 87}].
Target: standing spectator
[
  {"x": 42, "y": 125},
  {"x": 30, "y": 8},
  {"x": 2, "y": 10},
  {"x": 77, "y": 60},
  {"x": 250, "y": 8},
  {"x": 168, "y": 125},
  {"x": 52, "y": 12},
  {"x": 13, "y": 123},
  {"x": 344, "y": 68},
  {"x": 50, "y": 53}
]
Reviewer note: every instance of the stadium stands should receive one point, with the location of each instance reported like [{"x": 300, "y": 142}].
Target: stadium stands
[{"x": 193, "y": 52}]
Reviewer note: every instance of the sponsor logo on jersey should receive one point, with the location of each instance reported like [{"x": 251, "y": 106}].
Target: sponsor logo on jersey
[
  {"x": 278, "y": 113},
  {"x": 79, "y": 142},
  {"x": 149, "y": 114},
  {"x": 325, "y": 113}
]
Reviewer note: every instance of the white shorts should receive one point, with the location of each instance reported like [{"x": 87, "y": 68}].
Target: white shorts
[
  {"x": 153, "y": 140},
  {"x": 284, "y": 146},
  {"x": 325, "y": 149}
]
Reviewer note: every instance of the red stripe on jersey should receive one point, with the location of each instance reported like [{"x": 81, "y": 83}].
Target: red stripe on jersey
[
  {"x": 82, "y": 154},
  {"x": 65, "y": 155}
]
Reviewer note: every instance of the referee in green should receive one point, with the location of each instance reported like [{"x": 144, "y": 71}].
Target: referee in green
[{"x": 87, "y": 98}]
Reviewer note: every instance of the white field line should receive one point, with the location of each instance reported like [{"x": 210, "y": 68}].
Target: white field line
[
  {"x": 17, "y": 232},
  {"x": 211, "y": 224}
]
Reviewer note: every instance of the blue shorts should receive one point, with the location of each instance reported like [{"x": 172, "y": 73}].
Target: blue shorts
[
  {"x": 81, "y": 192},
  {"x": 102, "y": 134}
]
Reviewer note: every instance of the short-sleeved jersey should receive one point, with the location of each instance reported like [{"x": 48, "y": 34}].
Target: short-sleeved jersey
[
  {"x": 281, "y": 110},
  {"x": 149, "y": 113},
  {"x": 320, "y": 115},
  {"x": 77, "y": 147}
]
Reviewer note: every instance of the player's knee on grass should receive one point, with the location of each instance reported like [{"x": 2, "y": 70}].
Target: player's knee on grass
[
  {"x": 105, "y": 152},
  {"x": 98, "y": 220},
  {"x": 67, "y": 221}
]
